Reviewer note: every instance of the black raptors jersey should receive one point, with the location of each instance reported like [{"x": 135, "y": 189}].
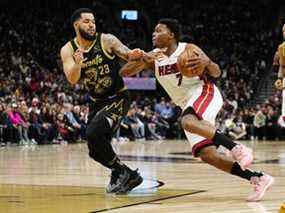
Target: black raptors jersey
[{"x": 99, "y": 72}]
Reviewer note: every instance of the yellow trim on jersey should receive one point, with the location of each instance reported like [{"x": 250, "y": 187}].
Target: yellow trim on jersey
[
  {"x": 105, "y": 51},
  {"x": 86, "y": 51},
  {"x": 70, "y": 45}
]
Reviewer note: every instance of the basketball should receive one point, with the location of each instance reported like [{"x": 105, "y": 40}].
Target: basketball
[{"x": 181, "y": 63}]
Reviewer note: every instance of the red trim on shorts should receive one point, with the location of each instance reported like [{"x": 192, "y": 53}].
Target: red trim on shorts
[
  {"x": 208, "y": 99},
  {"x": 198, "y": 146},
  {"x": 199, "y": 100},
  {"x": 203, "y": 101}
]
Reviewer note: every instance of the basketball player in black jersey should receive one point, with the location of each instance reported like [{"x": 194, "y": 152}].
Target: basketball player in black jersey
[{"x": 91, "y": 58}]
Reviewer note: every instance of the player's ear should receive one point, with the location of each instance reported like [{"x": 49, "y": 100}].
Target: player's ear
[
  {"x": 172, "y": 35},
  {"x": 75, "y": 24}
]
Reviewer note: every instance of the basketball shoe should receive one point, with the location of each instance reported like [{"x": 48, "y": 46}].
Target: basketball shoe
[
  {"x": 114, "y": 183},
  {"x": 261, "y": 185},
  {"x": 123, "y": 182},
  {"x": 134, "y": 180}
]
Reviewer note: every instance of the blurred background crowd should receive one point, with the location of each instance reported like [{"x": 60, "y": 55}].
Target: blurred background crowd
[{"x": 37, "y": 105}]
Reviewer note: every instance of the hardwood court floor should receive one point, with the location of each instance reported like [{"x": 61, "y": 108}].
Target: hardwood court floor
[{"x": 62, "y": 179}]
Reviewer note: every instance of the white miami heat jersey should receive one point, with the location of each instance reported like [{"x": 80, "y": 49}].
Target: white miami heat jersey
[{"x": 178, "y": 87}]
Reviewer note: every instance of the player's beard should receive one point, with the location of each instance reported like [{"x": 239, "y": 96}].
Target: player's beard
[{"x": 86, "y": 35}]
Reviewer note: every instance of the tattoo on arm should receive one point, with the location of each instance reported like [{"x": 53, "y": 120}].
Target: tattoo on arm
[{"x": 117, "y": 47}]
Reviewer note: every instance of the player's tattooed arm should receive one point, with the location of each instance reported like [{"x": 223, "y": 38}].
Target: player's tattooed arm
[
  {"x": 114, "y": 46},
  {"x": 135, "y": 66}
]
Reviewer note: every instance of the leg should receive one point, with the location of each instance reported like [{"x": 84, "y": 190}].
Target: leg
[
  {"x": 99, "y": 145},
  {"x": 200, "y": 113},
  {"x": 25, "y": 134},
  {"x": 261, "y": 181},
  {"x": 135, "y": 130},
  {"x": 198, "y": 122},
  {"x": 210, "y": 155},
  {"x": 141, "y": 129},
  {"x": 205, "y": 129},
  {"x": 99, "y": 133},
  {"x": 20, "y": 132}
]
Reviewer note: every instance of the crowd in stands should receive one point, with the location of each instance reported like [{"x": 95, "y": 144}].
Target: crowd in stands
[{"x": 37, "y": 105}]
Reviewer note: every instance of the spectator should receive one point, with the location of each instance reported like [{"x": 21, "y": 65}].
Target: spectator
[
  {"x": 19, "y": 124},
  {"x": 259, "y": 124}
]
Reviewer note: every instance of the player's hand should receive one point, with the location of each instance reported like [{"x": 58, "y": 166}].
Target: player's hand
[
  {"x": 200, "y": 60},
  {"x": 278, "y": 84},
  {"x": 135, "y": 54},
  {"x": 150, "y": 57},
  {"x": 78, "y": 56}
]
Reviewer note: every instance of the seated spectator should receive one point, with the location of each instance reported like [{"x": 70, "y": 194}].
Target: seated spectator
[
  {"x": 259, "y": 124},
  {"x": 3, "y": 125},
  {"x": 49, "y": 124},
  {"x": 66, "y": 132},
  {"x": 162, "y": 125},
  {"x": 151, "y": 126},
  {"x": 135, "y": 124},
  {"x": 236, "y": 128},
  {"x": 167, "y": 112},
  {"x": 71, "y": 120},
  {"x": 80, "y": 119},
  {"x": 19, "y": 124},
  {"x": 159, "y": 107}
]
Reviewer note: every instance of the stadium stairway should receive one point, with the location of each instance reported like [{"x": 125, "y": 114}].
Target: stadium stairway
[{"x": 265, "y": 89}]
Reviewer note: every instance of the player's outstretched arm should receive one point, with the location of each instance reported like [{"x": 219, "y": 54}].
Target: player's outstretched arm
[
  {"x": 135, "y": 66},
  {"x": 71, "y": 63},
  {"x": 114, "y": 46}
]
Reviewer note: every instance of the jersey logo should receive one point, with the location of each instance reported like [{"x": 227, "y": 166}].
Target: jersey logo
[
  {"x": 167, "y": 69},
  {"x": 95, "y": 61}
]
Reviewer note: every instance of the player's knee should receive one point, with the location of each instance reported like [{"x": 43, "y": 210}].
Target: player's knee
[
  {"x": 90, "y": 133},
  {"x": 94, "y": 155},
  {"x": 188, "y": 122},
  {"x": 97, "y": 129}
]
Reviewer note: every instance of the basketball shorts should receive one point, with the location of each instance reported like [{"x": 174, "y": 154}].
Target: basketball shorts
[
  {"x": 114, "y": 108},
  {"x": 206, "y": 102}
]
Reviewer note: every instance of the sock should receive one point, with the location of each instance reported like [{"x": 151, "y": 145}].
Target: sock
[
  {"x": 246, "y": 174},
  {"x": 221, "y": 139}
]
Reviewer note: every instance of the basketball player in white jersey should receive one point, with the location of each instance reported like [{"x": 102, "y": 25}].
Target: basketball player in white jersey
[{"x": 200, "y": 101}]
